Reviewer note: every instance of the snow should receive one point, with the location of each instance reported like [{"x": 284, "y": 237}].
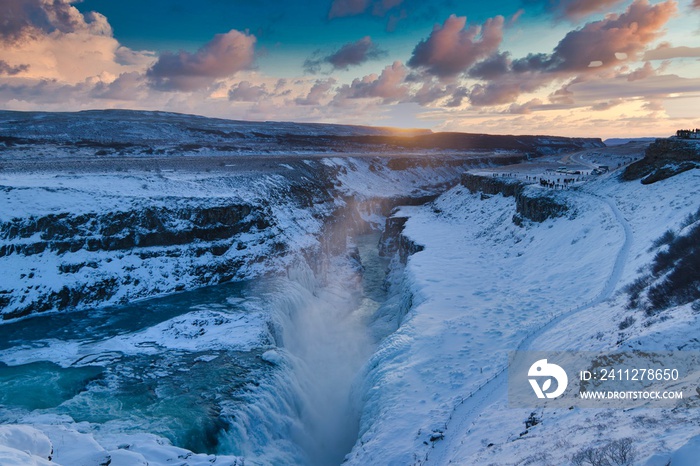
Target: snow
[
  {"x": 22, "y": 445},
  {"x": 207, "y": 329},
  {"x": 483, "y": 286},
  {"x": 15, "y": 457},
  {"x": 28, "y": 196},
  {"x": 474, "y": 297},
  {"x": 434, "y": 390},
  {"x": 688, "y": 454}
]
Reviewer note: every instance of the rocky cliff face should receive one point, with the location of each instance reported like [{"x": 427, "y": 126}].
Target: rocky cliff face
[
  {"x": 144, "y": 247},
  {"x": 104, "y": 207},
  {"x": 535, "y": 205},
  {"x": 65, "y": 255},
  {"x": 393, "y": 241},
  {"x": 73, "y": 242},
  {"x": 663, "y": 159}
]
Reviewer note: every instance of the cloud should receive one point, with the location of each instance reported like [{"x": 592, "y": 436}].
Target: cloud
[
  {"x": 451, "y": 49},
  {"x": 665, "y": 51},
  {"x": 74, "y": 57},
  {"x": 53, "y": 40},
  {"x": 126, "y": 57},
  {"x": 351, "y": 54},
  {"x": 651, "y": 89},
  {"x": 432, "y": 91},
  {"x": 223, "y": 56},
  {"x": 562, "y": 96},
  {"x": 394, "y": 20},
  {"x": 575, "y": 9},
  {"x": 524, "y": 109},
  {"x": 457, "y": 97},
  {"x": 129, "y": 86},
  {"x": 641, "y": 73},
  {"x": 605, "y": 40},
  {"x": 245, "y": 91},
  {"x": 45, "y": 92},
  {"x": 494, "y": 66},
  {"x": 10, "y": 70},
  {"x": 646, "y": 86},
  {"x": 607, "y": 105},
  {"x": 318, "y": 92},
  {"x": 607, "y": 43},
  {"x": 502, "y": 91},
  {"x": 661, "y": 85},
  {"x": 389, "y": 85},
  {"x": 342, "y": 8},
  {"x": 24, "y": 19}
]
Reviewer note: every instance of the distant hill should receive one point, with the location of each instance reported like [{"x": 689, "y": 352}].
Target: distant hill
[
  {"x": 147, "y": 133},
  {"x": 663, "y": 159},
  {"x": 620, "y": 141}
]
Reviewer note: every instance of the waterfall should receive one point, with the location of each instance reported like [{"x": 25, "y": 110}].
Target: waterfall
[{"x": 307, "y": 413}]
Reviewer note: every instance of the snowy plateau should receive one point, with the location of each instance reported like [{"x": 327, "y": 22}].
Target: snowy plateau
[{"x": 177, "y": 290}]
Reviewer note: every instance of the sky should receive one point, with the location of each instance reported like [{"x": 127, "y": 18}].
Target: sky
[{"x": 603, "y": 68}]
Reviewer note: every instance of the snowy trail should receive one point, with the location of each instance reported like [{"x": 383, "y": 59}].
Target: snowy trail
[{"x": 468, "y": 409}]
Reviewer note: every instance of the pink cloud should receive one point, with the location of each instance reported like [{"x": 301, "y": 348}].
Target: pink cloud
[
  {"x": 629, "y": 33},
  {"x": 432, "y": 91},
  {"x": 318, "y": 92},
  {"x": 642, "y": 73},
  {"x": 389, "y": 85},
  {"x": 503, "y": 90},
  {"x": 526, "y": 108},
  {"x": 127, "y": 87},
  {"x": 607, "y": 105},
  {"x": 11, "y": 70},
  {"x": 351, "y": 54},
  {"x": 245, "y": 91},
  {"x": 354, "y": 53},
  {"x": 23, "y": 19},
  {"x": 651, "y": 88},
  {"x": 381, "y": 7},
  {"x": 223, "y": 56},
  {"x": 451, "y": 49},
  {"x": 665, "y": 51},
  {"x": 610, "y": 42},
  {"x": 51, "y": 39}
]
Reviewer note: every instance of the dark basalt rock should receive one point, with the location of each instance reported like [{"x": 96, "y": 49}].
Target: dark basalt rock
[
  {"x": 125, "y": 230},
  {"x": 537, "y": 208},
  {"x": 663, "y": 159}
]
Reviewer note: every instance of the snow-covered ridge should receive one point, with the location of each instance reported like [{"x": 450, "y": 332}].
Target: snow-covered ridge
[
  {"x": 530, "y": 202},
  {"x": 139, "y": 133},
  {"x": 70, "y": 241},
  {"x": 98, "y": 209},
  {"x": 136, "y": 126},
  {"x": 476, "y": 281},
  {"x": 482, "y": 285}
]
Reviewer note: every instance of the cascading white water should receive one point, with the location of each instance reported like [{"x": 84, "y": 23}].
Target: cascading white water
[
  {"x": 329, "y": 342},
  {"x": 307, "y": 413}
]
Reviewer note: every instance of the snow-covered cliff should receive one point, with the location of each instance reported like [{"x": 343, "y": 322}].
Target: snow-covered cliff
[{"x": 313, "y": 353}]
